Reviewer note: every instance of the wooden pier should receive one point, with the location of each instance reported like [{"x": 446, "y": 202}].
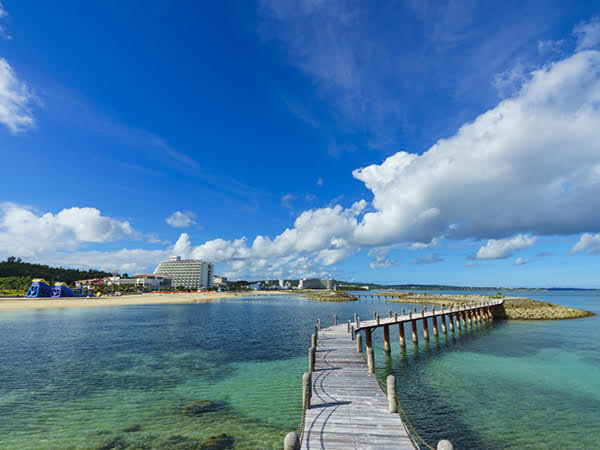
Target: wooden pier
[
  {"x": 344, "y": 405},
  {"x": 348, "y": 409}
]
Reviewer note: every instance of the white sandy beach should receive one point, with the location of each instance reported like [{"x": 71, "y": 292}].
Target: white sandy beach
[{"x": 16, "y": 303}]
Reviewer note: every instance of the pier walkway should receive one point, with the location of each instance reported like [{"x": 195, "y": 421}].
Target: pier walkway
[
  {"x": 348, "y": 408},
  {"x": 345, "y": 408}
]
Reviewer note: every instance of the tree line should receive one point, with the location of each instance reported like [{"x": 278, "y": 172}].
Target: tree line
[{"x": 21, "y": 273}]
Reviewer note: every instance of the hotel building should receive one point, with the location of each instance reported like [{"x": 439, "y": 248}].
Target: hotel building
[{"x": 187, "y": 273}]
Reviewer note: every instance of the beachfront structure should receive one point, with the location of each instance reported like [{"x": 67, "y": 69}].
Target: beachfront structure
[
  {"x": 219, "y": 280},
  {"x": 315, "y": 283},
  {"x": 152, "y": 281},
  {"x": 187, "y": 273},
  {"x": 140, "y": 280}
]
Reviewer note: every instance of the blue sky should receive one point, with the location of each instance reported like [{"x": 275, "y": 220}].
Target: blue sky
[{"x": 394, "y": 142}]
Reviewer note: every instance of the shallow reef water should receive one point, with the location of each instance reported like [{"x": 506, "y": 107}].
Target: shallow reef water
[{"x": 121, "y": 377}]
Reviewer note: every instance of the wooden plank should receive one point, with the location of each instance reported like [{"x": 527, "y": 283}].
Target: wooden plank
[{"x": 348, "y": 408}]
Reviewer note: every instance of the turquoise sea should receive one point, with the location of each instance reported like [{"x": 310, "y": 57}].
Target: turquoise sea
[{"x": 119, "y": 377}]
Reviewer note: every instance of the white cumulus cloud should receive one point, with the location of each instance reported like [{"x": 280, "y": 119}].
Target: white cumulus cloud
[
  {"x": 181, "y": 219},
  {"x": 502, "y": 248},
  {"x": 588, "y": 243},
  {"x": 25, "y": 233},
  {"x": 15, "y": 100},
  {"x": 530, "y": 164}
]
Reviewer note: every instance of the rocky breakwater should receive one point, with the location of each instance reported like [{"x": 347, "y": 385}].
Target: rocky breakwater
[
  {"x": 513, "y": 308},
  {"x": 328, "y": 296}
]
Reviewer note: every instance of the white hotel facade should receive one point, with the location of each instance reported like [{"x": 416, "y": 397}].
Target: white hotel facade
[{"x": 187, "y": 273}]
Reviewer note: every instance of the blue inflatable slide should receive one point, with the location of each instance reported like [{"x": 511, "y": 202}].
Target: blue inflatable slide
[{"x": 40, "y": 288}]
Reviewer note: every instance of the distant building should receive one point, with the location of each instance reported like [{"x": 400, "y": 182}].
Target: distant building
[
  {"x": 152, "y": 281},
  {"x": 315, "y": 283},
  {"x": 93, "y": 282},
  {"x": 219, "y": 280},
  {"x": 187, "y": 273},
  {"x": 118, "y": 281}
]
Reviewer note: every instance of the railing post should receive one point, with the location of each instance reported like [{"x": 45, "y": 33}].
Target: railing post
[
  {"x": 291, "y": 442},
  {"x": 334, "y": 319},
  {"x": 445, "y": 445},
  {"x": 306, "y": 389},
  {"x": 359, "y": 348},
  {"x": 314, "y": 340},
  {"x": 391, "y": 394},
  {"x": 377, "y": 318},
  {"x": 311, "y": 359},
  {"x": 348, "y": 326},
  {"x": 371, "y": 359},
  {"x": 374, "y": 315},
  {"x": 356, "y": 319},
  {"x": 319, "y": 324}
]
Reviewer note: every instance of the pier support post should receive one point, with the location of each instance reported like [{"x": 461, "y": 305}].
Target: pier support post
[
  {"x": 391, "y": 394},
  {"x": 413, "y": 324},
  {"x": 395, "y": 317},
  {"x": 371, "y": 360},
  {"x": 451, "y": 322},
  {"x": 359, "y": 343},
  {"x": 306, "y": 389},
  {"x": 401, "y": 332},
  {"x": 435, "y": 325},
  {"x": 445, "y": 445},
  {"x": 311, "y": 359},
  {"x": 368, "y": 343},
  {"x": 314, "y": 340},
  {"x": 469, "y": 321},
  {"x": 386, "y": 338},
  {"x": 291, "y": 442},
  {"x": 443, "y": 321},
  {"x": 425, "y": 327}
]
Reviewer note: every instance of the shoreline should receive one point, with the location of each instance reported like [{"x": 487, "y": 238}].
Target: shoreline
[{"x": 22, "y": 303}]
